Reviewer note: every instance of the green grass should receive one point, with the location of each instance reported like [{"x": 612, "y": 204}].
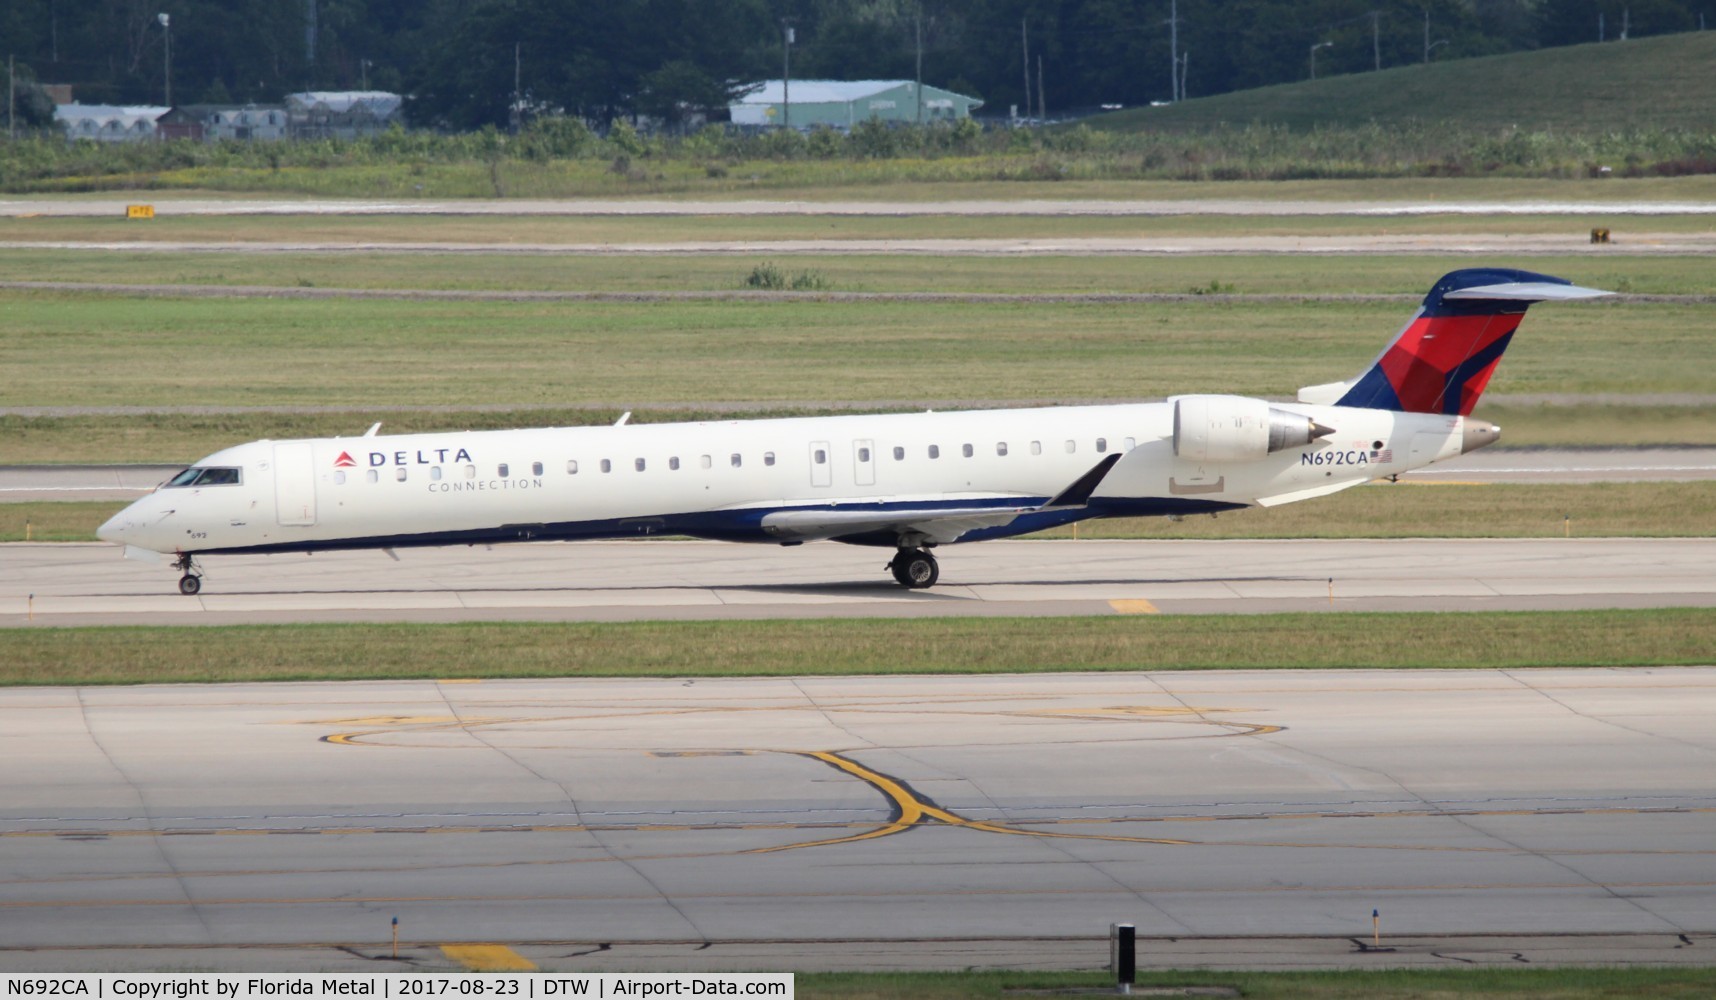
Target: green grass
[
  {"x": 501, "y": 231},
  {"x": 89, "y": 350},
  {"x": 898, "y": 189},
  {"x": 1636, "y": 983},
  {"x": 1381, "y": 510},
  {"x": 140, "y": 654},
  {"x": 1662, "y": 82},
  {"x": 1274, "y": 274}
]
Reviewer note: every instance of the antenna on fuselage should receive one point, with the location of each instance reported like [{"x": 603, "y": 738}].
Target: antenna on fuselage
[
  {"x": 623, "y": 418},
  {"x": 372, "y": 429}
]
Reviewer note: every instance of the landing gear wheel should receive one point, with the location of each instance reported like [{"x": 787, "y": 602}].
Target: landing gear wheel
[
  {"x": 915, "y": 569},
  {"x": 189, "y": 585}
]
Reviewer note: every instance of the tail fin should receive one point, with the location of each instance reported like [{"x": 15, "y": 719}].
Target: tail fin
[{"x": 1443, "y": 358}]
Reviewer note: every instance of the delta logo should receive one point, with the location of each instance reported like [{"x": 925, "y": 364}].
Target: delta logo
[{"x": 345, "y": 461}]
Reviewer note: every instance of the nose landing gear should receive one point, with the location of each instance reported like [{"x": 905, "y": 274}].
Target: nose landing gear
[
  {"x": 192, "y": 582},
  {"x": 915, "y": 569}
]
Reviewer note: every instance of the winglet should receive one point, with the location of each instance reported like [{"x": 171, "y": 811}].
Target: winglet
[{"x": 1078, "y": 494}]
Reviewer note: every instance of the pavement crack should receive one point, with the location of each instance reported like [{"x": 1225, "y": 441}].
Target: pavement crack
[
  {"x": 474, "y": 731},
  {"x": 148, "y": 816}
]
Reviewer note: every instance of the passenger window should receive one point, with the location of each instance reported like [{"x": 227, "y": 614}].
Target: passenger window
[
  {"x": 899, "y": 454},
  {"x": 1131, "y": 443},
  {"x": 967, "y": 451},
  {"x": 821, "y": 457},
  {"x": 673, "y": 463},
  {"x": 638, "y": 464},
  {"x": 370, "y": 476},
  {"x": 399, "y": 473},
  {"x": 500, "y": 470},
  {"x": 863, "y": 454},
  {"x": 339, "y": 478},
  {"x": 536, "y": 468},
  {"x": 571, "y": 467},
  {"x": 470, "y": 472},
  {"x": 768, "y": 458},
  {"x": 1001, "y": 448},
  {"x": 935, "y": 451},
  {"x": 434, "y": 472},
  {"x": 1101, "y": 445},
  {"x": 607, "y": 466},
  {"x": 1072, "y": 446},
  {"x": 705, "y": 461},
  {"x": 736, "y": 460},
  {"x": 1036, "y": 447}
]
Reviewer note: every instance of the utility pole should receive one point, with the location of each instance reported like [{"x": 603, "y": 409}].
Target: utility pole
[
  {"x": 1174, "y": 50},
  {"x": 786, "y": 73},
  {"x": 1602, "y": 36},
  {"x": 1185, "y": 62},
  {"x": 918, "y": 31},
  {"x": 1626, "y": 18},
  {"x": 516, "y": 115},
  {"x": 1025, "y": 40},
  {"x": 1426, "y": 36},
  {"x": 310, "y": 35},
  {"x": 167, "y": 45},
  {"x": 11, "y": 97},
  {"x": 1376, "y": 39}
]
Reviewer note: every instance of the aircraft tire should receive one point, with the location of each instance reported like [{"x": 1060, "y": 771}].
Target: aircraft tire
[
  {"x": 915, "y": 569},
  {"x": 190, "y": 585}
]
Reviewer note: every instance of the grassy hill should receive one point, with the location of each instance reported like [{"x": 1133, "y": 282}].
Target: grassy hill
[{"x": 1663, "y": 82}]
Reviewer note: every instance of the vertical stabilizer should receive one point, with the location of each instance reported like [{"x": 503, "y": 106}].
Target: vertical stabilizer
[{"x": 1443, "y": 358}]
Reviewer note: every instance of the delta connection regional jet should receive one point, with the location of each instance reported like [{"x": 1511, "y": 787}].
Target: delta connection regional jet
[{"x": 910, "y": 481}]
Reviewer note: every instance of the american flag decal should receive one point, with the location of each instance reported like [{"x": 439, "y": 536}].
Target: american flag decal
[{"x": 1384, "y": 455}]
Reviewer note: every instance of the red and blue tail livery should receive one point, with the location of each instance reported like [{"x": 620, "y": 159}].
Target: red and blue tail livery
[{"x": 1443, "y": 359}]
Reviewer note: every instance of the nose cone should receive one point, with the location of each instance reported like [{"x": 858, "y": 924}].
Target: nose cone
[{"x": 115, "y": 528}]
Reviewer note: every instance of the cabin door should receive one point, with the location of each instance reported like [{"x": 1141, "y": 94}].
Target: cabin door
[
  {"x": 294, "y": 483},
  {"x": 821, "y": 464}
]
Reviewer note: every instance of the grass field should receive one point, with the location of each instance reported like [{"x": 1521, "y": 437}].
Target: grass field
[
  {"x": 1398, "y": 984},
  {"x": 129, "y": 655},
  {"x": 1662, "y": 82},
  {"x": 501, "y": 231},
  {"x": 1692, "y": 187},
  {"x": 288, "y": 352},
  {"x": 1177, "y": 274},
  {"x": 1379, "y": 510}
]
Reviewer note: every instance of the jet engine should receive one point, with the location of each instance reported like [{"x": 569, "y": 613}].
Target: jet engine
[{"x": 1237, "y": 429}]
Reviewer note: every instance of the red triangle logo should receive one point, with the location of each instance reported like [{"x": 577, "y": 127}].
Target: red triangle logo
[{"x": 345, "y": 461}]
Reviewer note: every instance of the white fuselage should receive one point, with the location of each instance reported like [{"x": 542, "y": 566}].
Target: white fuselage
[{"x": 720, "y": 479}]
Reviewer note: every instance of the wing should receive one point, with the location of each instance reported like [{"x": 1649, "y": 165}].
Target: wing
[{"x": 928, "y": 525}]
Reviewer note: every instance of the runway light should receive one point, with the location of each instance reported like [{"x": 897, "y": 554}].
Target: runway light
[
  {"x": 395, "y": 937},
  {"x": 1375, "y": 928}
]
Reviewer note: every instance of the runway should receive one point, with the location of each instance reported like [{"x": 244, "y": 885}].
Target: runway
[
  {"x": 85, "y": 584},
  {"x": 999, "y": 821}
]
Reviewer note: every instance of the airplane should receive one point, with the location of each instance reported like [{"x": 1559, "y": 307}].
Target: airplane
[{"x": 907, "y": 481}]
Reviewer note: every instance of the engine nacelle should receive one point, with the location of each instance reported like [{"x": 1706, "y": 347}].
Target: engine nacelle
[{"x": 1237, "y": 429}]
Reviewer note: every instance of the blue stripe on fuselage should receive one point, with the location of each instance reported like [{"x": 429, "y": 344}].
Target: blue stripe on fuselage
[{"x": 746, "y": 525}]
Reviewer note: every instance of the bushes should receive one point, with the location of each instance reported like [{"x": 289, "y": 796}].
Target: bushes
[{"x": 569, "y": 153}]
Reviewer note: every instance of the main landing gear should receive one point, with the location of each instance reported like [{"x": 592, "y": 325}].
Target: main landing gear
[
  {"x": 915, "y": 569},
  {"x": 192, "y": 582}
]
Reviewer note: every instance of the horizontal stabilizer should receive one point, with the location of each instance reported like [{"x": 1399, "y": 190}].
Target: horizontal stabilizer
[{"x": 1525, "y": 291}]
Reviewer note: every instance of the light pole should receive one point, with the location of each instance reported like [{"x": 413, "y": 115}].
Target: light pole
[
  {"x": 786, "y": 74},
  {"x": 167, "y": 44},
  {"x": 1314, "y": 48}
]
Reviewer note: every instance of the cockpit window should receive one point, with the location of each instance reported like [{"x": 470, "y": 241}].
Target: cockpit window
[{"x": 211, "y": 476}]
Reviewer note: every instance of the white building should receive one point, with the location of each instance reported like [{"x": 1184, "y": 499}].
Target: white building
[
  {"x": 109, "y": 122},
  {"x": 844, "y": 103}
]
